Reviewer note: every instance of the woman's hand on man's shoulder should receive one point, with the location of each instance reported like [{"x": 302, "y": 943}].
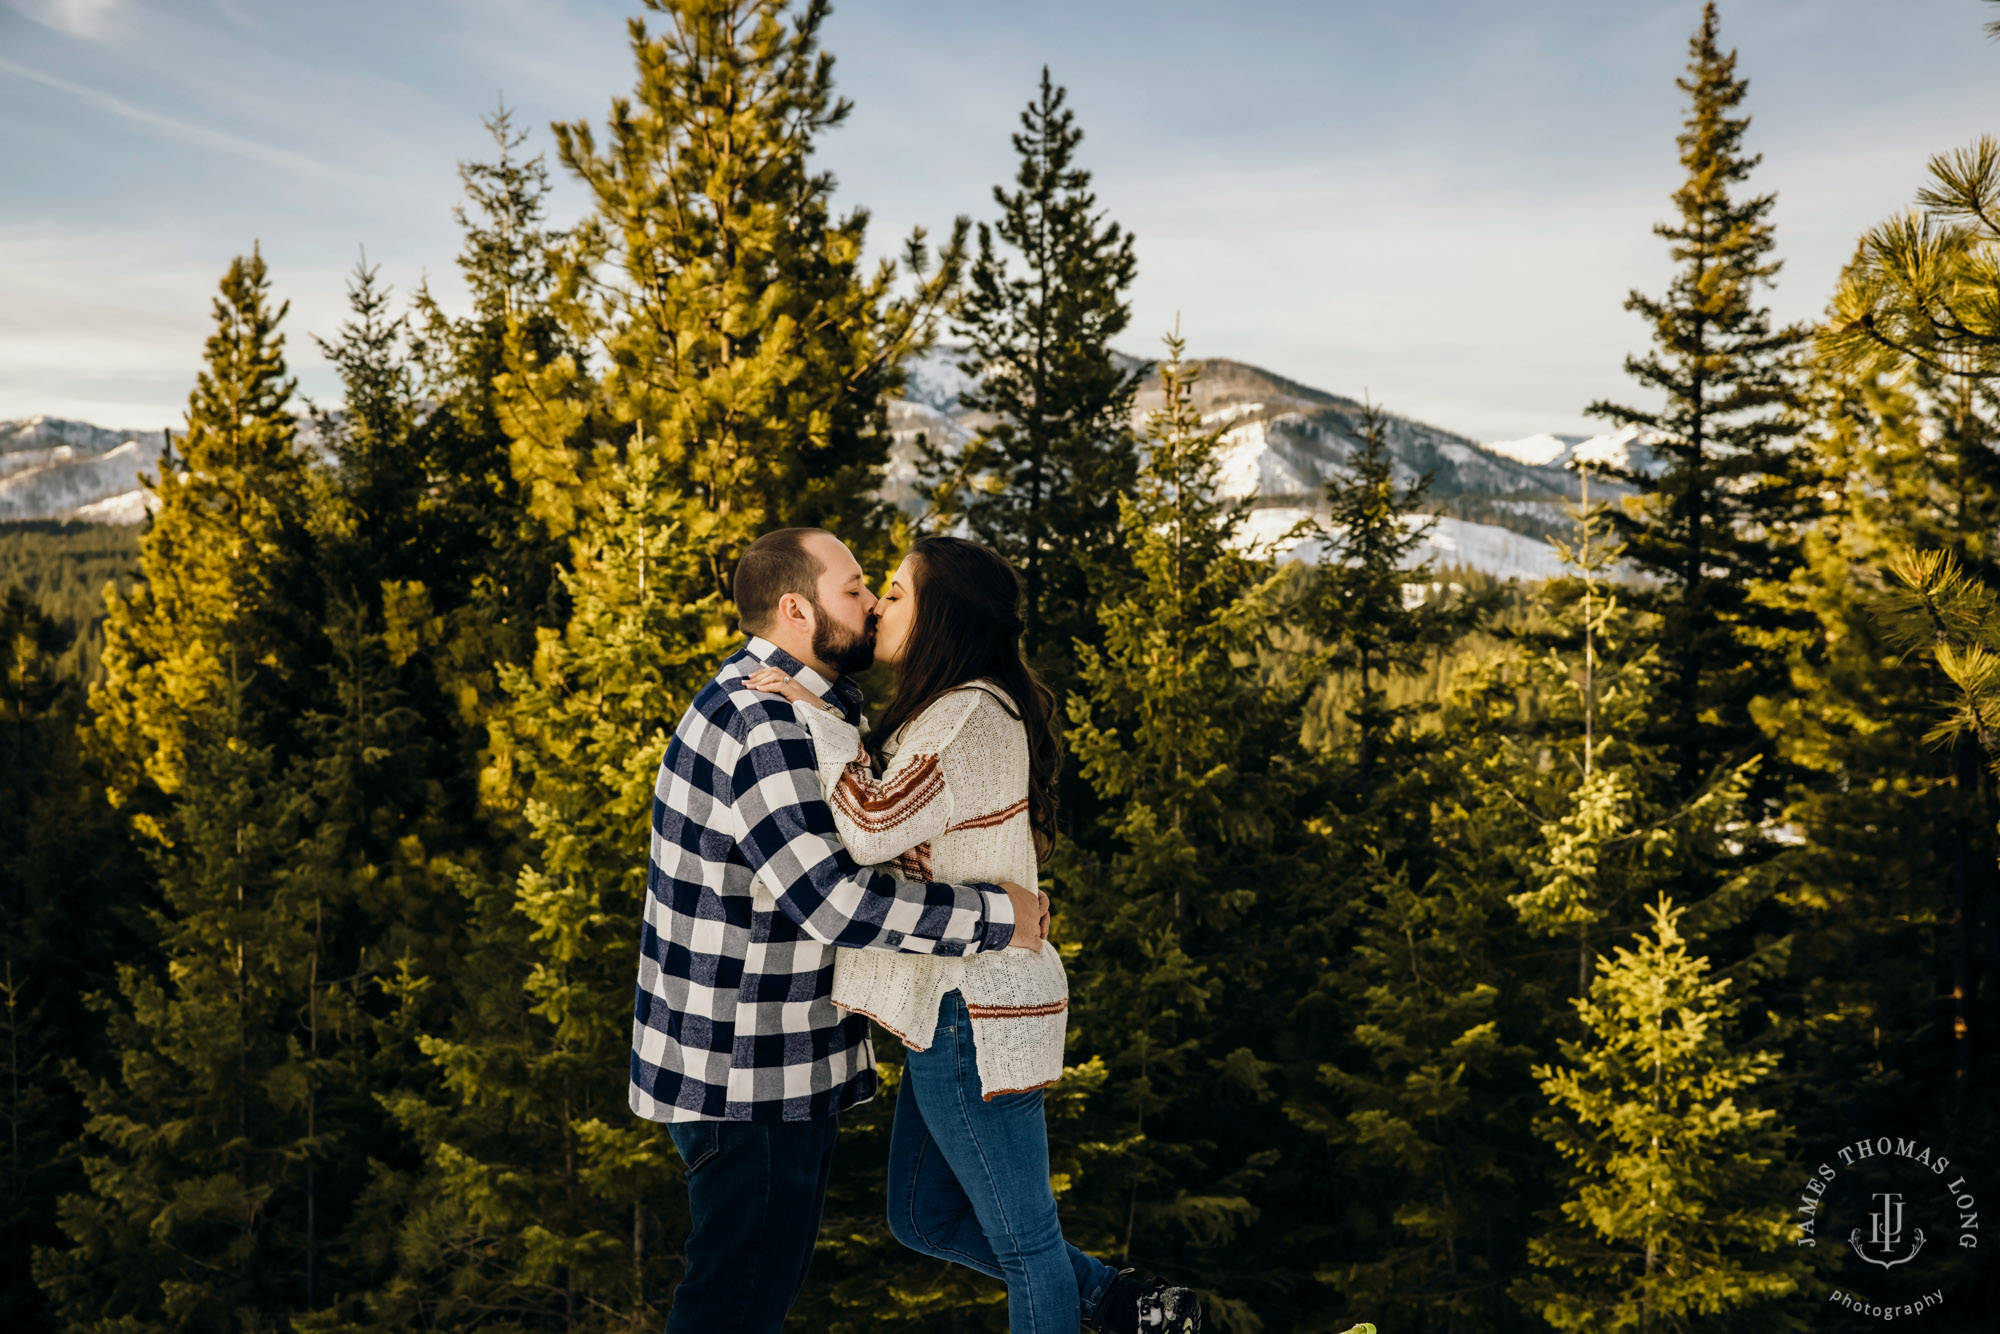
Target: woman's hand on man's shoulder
[{"x": 774, "y": 682}]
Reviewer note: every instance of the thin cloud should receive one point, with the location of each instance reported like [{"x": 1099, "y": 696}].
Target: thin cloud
[{"x": 174, "y": 129}]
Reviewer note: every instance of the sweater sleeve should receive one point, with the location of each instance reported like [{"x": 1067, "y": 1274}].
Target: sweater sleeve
[
  {"x": 787, "y": 837},
  {"x": 880, "y": 819}
]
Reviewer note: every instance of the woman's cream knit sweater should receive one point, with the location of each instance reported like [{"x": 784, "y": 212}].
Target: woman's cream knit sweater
[{"x": 952, "y": 805}]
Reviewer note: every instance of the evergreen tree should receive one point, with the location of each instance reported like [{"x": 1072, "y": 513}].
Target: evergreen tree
[
  {"x": 63, "y": 566},
  {"x": 1524, "y": 837},
  {"x": 31, "y": 699},
  {"x": 745, "y": 356},
  {"x": 1922, "y": 289},
  {"x": 495, "y": 550},
  {"x": 1611, "y": 825},
  {"x": 223, "y": 560},
  {"x": 68, "y": 894},
  {"x": 1894, "y": 847},
  {"x": 1718, "y": 515},
  {"x": 545, "y": 1200},
  {"x": 1186, "y": 746},
  {"x": 196, "y": 1213},
  {"x": 1358, "y": 606},
  {"x": 390, "y": 766},
  {"x": 1673, "y": 1162},
  {"x": 742, "y": 342},
  {"x": 1417, "y": 1103},
  {"x": 1918, "y": 306},
  {"x": 1938, "y": 609},
  {"x": 477, "y": 582},
  {"x": 1041, "y": 483}
]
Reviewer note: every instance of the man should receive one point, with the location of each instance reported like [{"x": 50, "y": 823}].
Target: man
[{"x": 736, "y": 1043}]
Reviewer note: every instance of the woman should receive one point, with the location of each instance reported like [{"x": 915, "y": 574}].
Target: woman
[{"x": 968, "y": 756}]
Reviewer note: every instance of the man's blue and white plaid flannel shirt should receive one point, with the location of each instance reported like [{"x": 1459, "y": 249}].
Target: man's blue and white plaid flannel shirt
[{"x": 749, "y": 893}]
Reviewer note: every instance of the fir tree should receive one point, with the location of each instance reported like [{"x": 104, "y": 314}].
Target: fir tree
[
  {"x": 499, "y": 554},
  {"x": 1041, "y": 483},
  {"x": 31, "y": 699},
  {"x": 1672, "y": 1160},
  {"x": 533, "y": 1160},
  {"x": 69, "y": 892},
  {"x": 199, "y": 1144},
  {"x": 742, "y": 341},
  {"x": 1414, "y": 1079},
  {"x": 224, "y": 561},
  {"x": 1610, "y": 823},
  {"x": 1185, "y": 744},
  {"x": 1882, "y": 819},
  {"x": 745, "y": 356},
  {"x": 424, "y": 663},
  {"x": 1719, "y": 513},
  {"x": 378, "y": 473},
  {"x": 1357, "y": 605},
  {"x": 1417, "y": 1108}
]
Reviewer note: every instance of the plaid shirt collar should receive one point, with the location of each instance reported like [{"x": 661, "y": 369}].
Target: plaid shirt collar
[{"x": 840, "y": 692}]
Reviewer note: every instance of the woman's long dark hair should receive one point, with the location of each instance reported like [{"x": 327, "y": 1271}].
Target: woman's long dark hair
[{"x": 967, "y": 626}]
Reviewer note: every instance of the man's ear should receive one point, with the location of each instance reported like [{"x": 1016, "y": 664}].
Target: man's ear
[{"x": 796, "y": 612}]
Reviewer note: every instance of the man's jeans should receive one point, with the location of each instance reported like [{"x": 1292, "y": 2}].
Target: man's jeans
[
  {"x": 754, "y": 1194},
  {"x": 969, "y": 1183}
]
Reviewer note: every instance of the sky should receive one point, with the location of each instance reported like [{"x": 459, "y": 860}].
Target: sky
[{"x": 1440, "y": 203}]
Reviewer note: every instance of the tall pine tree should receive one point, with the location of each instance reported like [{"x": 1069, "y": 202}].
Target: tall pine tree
[
  {"x": 200, "y": 1144},
  {"x": 1357, "y": 604},
  {"x": 745, "y": 355},
  {"x": 1045, "y": 297},
  {"x": 1720, "y": 512},
  {"x": 1918, "y": 306},
  {"x": 1186, "y": 744},
  {"x": 742, "y": 341}
]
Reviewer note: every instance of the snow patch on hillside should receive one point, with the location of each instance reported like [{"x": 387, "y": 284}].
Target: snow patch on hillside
[
  {"x": 1451, "y": 541},
  {"x": 1625, "y": 448},
  {"x": 1537, "y": 451},
  {"x": 1252, "y": 465},
  {"x": 132, "y": 507}
]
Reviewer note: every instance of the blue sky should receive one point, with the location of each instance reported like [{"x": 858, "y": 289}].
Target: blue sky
[{"x": 1441, "y": 202}]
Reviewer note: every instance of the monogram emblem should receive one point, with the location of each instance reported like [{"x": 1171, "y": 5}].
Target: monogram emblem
[{"x": 1885, "y": 1231}]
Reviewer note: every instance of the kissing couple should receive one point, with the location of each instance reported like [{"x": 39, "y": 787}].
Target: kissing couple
[{"x": 810, "y": 873}]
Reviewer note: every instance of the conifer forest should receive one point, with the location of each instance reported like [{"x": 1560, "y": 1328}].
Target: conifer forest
[{"x": 1507, "y": 959}]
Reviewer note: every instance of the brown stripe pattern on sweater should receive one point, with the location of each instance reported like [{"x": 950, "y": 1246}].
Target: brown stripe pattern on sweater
[
  {"x": 915, "y": 864},
  {"x": 893, "y": 803},
  {"x": 1001, "y": 1093},
  {"x": 991, "y": 818},
  {"x": 1017, "y": 1011}
]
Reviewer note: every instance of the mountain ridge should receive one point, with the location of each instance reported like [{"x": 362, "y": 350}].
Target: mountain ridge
[{"x": 1494, "y": 503}]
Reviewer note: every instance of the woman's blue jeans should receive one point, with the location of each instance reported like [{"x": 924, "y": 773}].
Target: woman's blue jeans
[{"x": 969, "y": 1183}]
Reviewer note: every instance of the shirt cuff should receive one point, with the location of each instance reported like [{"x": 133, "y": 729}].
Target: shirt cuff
[{"x": 999, "y": 925}]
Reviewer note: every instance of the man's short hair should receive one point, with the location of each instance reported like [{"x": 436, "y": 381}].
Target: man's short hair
[{"x": 775, "y": 564}]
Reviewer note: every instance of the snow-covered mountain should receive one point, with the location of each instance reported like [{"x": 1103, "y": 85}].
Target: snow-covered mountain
[
  {"x": 1495, "y": 503},
  {"x": 50, "y": 468}
]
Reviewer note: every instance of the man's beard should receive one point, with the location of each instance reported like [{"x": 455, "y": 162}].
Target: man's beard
[{"x": 845, "y": 651}]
